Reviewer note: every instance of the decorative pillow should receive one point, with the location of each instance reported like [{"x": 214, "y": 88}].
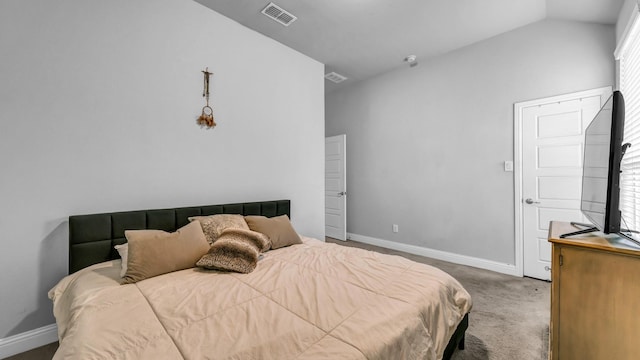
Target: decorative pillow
[
  {"x": 123, "y": 251},
  {"x": 235, "y": 250},
  {"x": 156, "y": 252},
  {"x": 278, "y": 229},
  {"x": 214, "y": 225}
]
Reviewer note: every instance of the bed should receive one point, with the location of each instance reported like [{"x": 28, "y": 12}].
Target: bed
[{"x": 307, "y": 301}]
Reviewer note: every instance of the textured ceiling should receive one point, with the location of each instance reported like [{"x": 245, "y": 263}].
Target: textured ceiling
[{"x": 363, "y": 38}]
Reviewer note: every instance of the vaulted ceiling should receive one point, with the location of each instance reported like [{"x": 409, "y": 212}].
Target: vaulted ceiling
[{"x": 363, "y": 38}]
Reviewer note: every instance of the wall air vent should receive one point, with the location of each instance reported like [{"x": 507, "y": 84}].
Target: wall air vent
[
  {"x": 279, "y": 14},
  {"x": 335, "y": 77}
]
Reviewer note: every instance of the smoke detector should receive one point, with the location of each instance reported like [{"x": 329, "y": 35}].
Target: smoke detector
[
  {"x": 412, "y": 60},
  {"x": 279, "y": 14},
  {"x": 335, "y": 77}
]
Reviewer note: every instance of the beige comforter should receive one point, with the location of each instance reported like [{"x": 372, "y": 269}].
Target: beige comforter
[{"x": 308, "y": 301}]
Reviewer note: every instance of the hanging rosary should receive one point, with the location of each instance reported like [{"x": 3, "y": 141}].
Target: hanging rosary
[{"x": 206, "y": 118}]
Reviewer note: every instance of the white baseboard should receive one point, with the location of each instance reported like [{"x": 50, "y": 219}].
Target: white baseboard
[
  {"x": 503, "y": 268},
  {"x": 28, "y": 340}
]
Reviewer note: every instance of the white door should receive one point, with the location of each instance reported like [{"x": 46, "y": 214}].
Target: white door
[
  {"x": 335, "y": 177},
  {"x": 552, "y": 145}
]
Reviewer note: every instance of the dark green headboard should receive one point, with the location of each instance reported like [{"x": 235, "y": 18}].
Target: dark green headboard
[{"x": 92, "y": 237}]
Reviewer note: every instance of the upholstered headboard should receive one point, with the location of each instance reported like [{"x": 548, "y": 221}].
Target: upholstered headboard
[{"x": 92, "y": 237}]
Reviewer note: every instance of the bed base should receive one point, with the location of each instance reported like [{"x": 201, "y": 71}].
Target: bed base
[{"x": 457, "y": 339}]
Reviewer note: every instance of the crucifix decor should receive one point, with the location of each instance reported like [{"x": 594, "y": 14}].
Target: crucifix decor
[{"x": 206, "y": 118}]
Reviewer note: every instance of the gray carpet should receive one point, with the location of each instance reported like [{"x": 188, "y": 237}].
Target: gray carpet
[{"x": 510, "y": 315}]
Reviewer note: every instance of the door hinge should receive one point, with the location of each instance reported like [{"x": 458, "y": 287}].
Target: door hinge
[{"x": 561, "y": 259}]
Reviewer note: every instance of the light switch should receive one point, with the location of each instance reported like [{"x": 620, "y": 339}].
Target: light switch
[{"x": 508, "y": 165}]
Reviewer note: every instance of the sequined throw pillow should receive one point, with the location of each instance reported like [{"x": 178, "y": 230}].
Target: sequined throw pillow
[{"x": 214, "y": 225}]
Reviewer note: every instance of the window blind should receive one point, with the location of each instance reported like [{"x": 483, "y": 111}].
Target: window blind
[{"x": 629, "y": 81}]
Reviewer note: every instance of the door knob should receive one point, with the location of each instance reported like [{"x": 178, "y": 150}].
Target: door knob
[
  {"x": 529, "y": 201},
  {"x": 342, "y": 193}
]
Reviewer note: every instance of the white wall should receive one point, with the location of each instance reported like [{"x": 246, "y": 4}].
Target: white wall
[
  {"x": 624, "y": 17},
  {"x": 426, "y": 145},
  {"x": 98, "y": 102}
]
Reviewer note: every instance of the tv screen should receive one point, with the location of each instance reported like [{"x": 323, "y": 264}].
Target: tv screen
[{"x": 601, "y": 172}]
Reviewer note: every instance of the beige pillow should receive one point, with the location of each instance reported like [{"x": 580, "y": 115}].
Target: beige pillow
[
  {"x": 235, "y": 250},
  {"x": 278, "y": 229},
  {"x": 214, "y": 225},
  {"x": 156, "y": 252}
]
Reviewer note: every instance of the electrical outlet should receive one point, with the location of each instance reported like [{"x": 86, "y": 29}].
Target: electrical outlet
[
  {"x": 508, "y": 165},
  {"x": 395, "y": 228}
]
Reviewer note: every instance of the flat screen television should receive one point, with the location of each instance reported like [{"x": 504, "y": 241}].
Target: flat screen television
[{"x": 603, "y": 152}]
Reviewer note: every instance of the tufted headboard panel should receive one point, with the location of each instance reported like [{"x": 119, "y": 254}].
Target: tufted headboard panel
[{"x": 92, "y": 237}]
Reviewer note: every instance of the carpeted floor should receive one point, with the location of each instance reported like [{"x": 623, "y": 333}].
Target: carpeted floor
[
  {"x": 42, "y": 353},
  {"x": 510, "y": 315},
  {"x": 509, "y": 319}
]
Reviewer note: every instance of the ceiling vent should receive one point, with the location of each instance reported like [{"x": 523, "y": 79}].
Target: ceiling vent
[
  {"x": 279, "y": 14},
  {"x": 335, "y": 77}
]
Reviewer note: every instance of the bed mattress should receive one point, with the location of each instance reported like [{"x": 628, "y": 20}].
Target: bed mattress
[{"x": 307, "y": 301}]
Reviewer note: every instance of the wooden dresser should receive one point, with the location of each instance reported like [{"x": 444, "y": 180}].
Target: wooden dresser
[{"x": 595, "y": 296}]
